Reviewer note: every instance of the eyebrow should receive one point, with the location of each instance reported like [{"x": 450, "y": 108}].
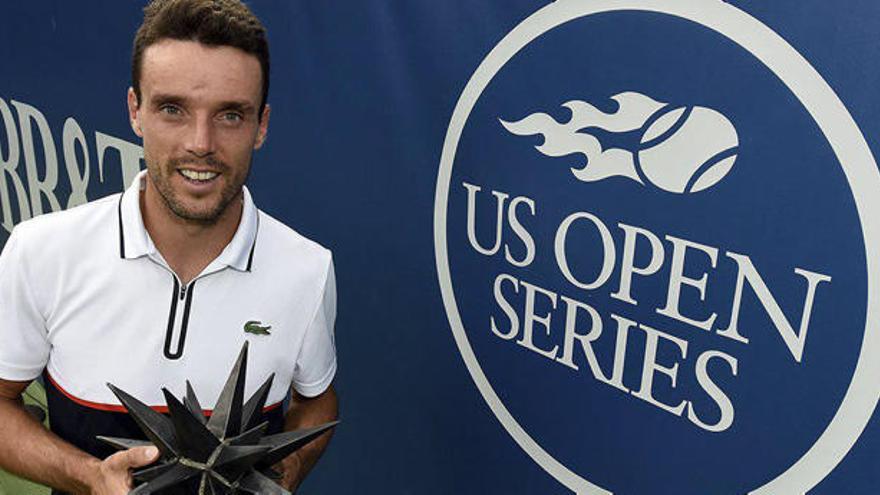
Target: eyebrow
[
  {"x": 160, "y": 99},
  {"x": 241, "y": 106},
  {"x": 163, "y": 99}
]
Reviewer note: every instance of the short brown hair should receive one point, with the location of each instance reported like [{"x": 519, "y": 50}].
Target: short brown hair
[{"x": 210, "y": 22}]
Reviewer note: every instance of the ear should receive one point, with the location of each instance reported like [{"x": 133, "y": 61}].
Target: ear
[
  {"x": 264, "y": 128},
  {"x": 133, "y": 115}
]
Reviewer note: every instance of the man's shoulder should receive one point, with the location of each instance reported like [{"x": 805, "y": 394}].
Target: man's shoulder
[
  {"x": 78, "y": 224},
  {"x": 280, "y": 242}
]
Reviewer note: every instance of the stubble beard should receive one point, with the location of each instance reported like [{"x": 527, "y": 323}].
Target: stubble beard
[{"x": 162, "y": 183}]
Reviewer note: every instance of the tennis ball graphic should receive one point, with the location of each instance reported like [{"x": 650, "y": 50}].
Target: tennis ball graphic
[
  {"x": 687, "y": 149},
  {"x": 680, "y": 149}
]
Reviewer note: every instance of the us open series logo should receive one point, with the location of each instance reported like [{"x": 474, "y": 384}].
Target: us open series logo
[{"x": 656, "y": 232}]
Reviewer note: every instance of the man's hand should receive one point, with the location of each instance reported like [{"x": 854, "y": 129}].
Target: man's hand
[
  {"x": 306, "y": 412},
  {"x": 113, "y": 475},
  {"x": 33, "y": 452},
  {"x": 289, "y": 469}
]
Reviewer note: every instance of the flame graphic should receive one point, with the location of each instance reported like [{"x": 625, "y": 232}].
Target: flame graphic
[
  {"x": 562, "y": 139},
  {"x": 680, "y": 149}
]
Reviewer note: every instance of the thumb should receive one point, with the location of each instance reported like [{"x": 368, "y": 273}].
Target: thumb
[{"x": 134, "y": 457}]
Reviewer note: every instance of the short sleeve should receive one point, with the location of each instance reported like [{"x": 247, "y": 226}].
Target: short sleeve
[
  {"x": 24, "y": 344},
  {"x": 316, "y": 363}
]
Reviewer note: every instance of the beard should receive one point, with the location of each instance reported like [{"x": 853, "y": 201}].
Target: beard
[{"x": 161, "y": 177}]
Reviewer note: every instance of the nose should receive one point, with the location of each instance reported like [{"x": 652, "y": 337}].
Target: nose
[{"x": 201, "y": 138}]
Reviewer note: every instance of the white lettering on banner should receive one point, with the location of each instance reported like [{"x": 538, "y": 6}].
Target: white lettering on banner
[
  {"x": 9, "y": 171},
  {"x": 531, "y": 317},
  {"x": 530, "y": 312},
  {"x": 586, "y": 340},
  {"x": 27, "y": 116},
  {"x": 130, "y": 154},
  {"x": 608, "y": 251},
  {"x": 35, "y": 192},
  {"x": 521, "y": 232},
  {"x": 506, "y": 307},
  {"x": 697, "y": 153},
  {"x": 746, "y": 271},
  {"x": 677, "y": 279},
  {"x": 471, "y": 219},
  {"x": 723, "y": 401},
  {"x": 79, "y": 182},
  {"x": 628, "y": 268},
  {"x": 650, "y": 368}
]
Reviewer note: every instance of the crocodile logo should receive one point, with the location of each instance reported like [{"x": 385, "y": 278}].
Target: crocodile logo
[{"x": 257, "y": 328}]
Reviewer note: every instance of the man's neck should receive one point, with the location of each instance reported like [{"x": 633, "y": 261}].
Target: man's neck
[{"x": 187, "y": 246}]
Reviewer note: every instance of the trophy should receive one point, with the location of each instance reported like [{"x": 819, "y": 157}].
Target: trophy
[{"x": 227, "y": 453}]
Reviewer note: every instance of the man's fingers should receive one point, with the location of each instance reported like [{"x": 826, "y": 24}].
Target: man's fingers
[
  {"x": 132, "y": 458},
  {"x": 148, "y": 456}
]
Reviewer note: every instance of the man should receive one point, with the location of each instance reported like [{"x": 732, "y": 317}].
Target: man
[{"x": 84, "y": 293}]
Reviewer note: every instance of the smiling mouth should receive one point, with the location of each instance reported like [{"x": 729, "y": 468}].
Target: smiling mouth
[{"x": 198, "y": 177}]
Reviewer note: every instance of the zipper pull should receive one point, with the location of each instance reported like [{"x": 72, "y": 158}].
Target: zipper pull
[{"x": 183, "y": 292}]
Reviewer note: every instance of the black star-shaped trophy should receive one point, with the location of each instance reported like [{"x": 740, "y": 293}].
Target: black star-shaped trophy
[{"x": 225, "y": 454}]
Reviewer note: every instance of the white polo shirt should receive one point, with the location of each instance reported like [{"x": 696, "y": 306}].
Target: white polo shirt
[{"x": 85, "y": 294}]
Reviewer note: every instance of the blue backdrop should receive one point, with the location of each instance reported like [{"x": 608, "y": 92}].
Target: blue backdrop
[{"x": 363, "y": 94}]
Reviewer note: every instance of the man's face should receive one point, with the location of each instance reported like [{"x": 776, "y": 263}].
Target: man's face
[{"x": 199, "y": 119}]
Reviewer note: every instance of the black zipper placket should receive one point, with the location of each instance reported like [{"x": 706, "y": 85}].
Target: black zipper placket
[{"x": 180, "y": 294}]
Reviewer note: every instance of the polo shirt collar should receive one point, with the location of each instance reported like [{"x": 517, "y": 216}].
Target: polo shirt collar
[{"x": 135, "y": 242}]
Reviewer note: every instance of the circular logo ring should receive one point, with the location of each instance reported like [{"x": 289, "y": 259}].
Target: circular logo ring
[{"x": 847, "y": 143}]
